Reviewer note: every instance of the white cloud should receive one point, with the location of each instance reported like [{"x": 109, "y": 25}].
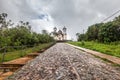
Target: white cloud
[
  {"x": 76, "y": 15},
  {"x": 42, "y": 24}
]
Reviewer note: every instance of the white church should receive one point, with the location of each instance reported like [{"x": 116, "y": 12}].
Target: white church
[{"x": 59, "y": 35}]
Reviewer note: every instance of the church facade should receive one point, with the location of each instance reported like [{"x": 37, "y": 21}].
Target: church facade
[{"x": 59, "y": 35}]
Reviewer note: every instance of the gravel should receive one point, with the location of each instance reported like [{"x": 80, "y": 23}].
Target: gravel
[{"x": 63, "y": 62}]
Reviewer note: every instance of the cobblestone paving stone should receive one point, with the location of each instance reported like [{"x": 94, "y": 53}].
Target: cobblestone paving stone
[{"x": 63, "y": 62}]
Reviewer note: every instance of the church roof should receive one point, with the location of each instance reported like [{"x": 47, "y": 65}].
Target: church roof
[
  {"x": 60, "y": 32},
  {"x": 64, "y": 28},
  {"x": 55, "y": 28}
]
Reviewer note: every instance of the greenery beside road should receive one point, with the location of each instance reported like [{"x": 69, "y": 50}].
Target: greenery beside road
[
  {"x": 102, "y": 32},
  {"x": 110, "y": 49},
  {"x": 20, "y": 34},
  {"x": 16, "y": 36},
  {"x": 20, "y": 53},
  {"x": 102, "y": 37}
]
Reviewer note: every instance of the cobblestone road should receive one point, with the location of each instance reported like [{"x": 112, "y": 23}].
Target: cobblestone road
[{"x": 63, "y": 62}]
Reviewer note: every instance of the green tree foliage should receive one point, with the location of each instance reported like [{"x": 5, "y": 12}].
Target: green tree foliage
[
  {"x": 44, "y": 32},
  {"x": 109, "y": 32},
  {"x": 92, "y": 32},
  {"x": 103, "y": 32},
  {"x": 20, "y": 34},
  {"x": 81, "y": 37}
]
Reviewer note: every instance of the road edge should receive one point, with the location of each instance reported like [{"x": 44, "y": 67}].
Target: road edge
[{"x": 110, "y": 58}]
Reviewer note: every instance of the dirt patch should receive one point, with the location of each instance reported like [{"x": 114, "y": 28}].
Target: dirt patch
[
  {"x": 4, "y": 75},
  {"x": 19, "y": 61}
]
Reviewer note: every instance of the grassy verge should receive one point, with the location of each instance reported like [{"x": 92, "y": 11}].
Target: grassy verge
[
  {"x": 20, "y": 53},
  {"x": 110, "y": 49}
]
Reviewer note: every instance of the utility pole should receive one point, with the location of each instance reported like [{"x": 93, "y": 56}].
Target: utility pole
[{"x": 83, "y": 38}]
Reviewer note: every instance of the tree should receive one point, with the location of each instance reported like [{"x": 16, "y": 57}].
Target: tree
[
  {"x": 20, "y": 34},
  {"x": 103, "y": 32},
  {"x": 109, "y": 32},
  {"x": 45, "y": 32},
  {"x": 81, "y": 37},
  {"x": 92, "y": 32}
]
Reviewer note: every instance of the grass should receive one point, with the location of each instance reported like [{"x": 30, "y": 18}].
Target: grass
[
  {"x": 110, "y": 49},
  {"x": 20, "y": 53}
]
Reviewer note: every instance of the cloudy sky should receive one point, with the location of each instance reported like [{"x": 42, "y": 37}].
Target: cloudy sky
[{"x": 76, "y": 15}]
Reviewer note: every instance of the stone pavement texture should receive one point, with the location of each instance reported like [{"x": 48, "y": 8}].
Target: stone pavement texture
[
  {"x": 64, "y": 62},
  {"x": 113, "y": 59}
]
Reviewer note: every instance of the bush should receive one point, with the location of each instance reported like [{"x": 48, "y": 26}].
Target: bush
[
  {"x": 102, "y": 32},
  {"x": 20, "y": 35}
]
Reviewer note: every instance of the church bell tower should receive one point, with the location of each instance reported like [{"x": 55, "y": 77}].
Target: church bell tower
[{"x": 64, "y": 33}]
